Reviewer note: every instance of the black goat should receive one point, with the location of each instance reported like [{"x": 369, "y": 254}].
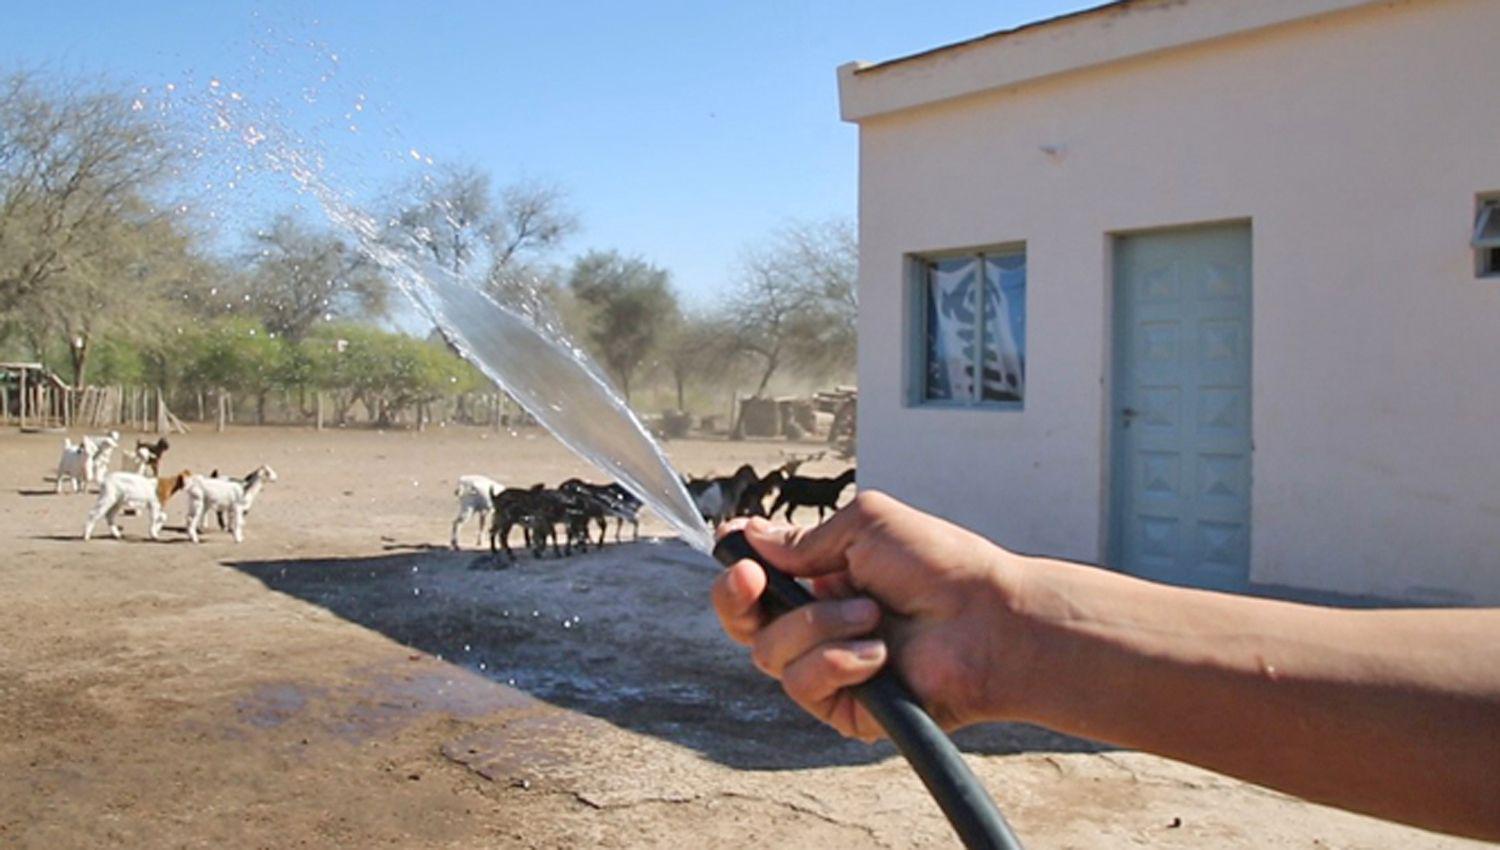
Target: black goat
[
  {"x": 602, "y": 501},
  {"x": 528, "y": 509},
  {"x": 820, "y": 493},
  {"x": 148, "y": 455},
  {"x": 717, "y": 499},
  {"x": 753, "y": 501},
  {"x": 539, "y": 512}
]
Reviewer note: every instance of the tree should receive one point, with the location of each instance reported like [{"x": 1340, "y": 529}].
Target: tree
[
  {"x": 238, "y": 354},
  {"x": 795, "y": 302},
  {"x": 629, "y": 302},
  {"x": 696, "y": 347},
  {"x": 301, "y": 277},
  {"x": 120, "y": 285},
  {"x": 82, "y": 248},
  {"x": 75, "y": 163},
  {"x": 456, "y": 221}
]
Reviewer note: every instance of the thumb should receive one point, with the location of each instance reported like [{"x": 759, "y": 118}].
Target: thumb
[{"x": 805, "y": 552}]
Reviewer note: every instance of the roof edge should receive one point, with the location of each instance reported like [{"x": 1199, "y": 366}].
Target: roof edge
[{"x": 1112, "y": 32}]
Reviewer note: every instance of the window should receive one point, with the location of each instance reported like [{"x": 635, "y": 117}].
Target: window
[
  {"x": 1486, "y": 239},
  {"x": 969, "y": 319}
]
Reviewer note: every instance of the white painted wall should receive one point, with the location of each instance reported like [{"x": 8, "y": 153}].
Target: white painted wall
[{"x": 1355, "y": 142}]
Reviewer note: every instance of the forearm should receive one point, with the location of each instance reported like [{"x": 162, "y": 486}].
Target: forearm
[{"x": 1342, "y": 707}]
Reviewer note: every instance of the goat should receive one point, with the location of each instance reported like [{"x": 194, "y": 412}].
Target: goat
[
  {"x": 717, "y": 498},
  {"x": 87, "y": 462},
  {"x": 121, "y": 489},
  {"x": 534, "y": 511},
  {"x": 104, "y": 452},
  {"x": 820, "y": 493},
  {"x": 475, "y": 496},
  {"x": 224, "y": 493},
  {"x": 753, "y": 501},
  {"x": 148, "y": 456},
  {"x": 76, "y": 465},
  {"x": 602, "y": 501}
]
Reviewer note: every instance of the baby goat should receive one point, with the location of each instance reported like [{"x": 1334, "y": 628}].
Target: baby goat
[
  {"x": 602, "y": 501},
  {"x": 226, "y": 493},
  {"x": 148, "y": 456},
  {"x": 128, "y": 489},
  {"x": 87, "y": 462},
  {"x": 820, "y": 493},
  {"x": 475, "y": 496}
]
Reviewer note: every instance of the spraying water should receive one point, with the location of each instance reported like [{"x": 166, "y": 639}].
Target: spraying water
[{"x": 525, "y": 352}]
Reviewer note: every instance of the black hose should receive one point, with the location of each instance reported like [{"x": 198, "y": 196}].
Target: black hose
[{"x": 931, "y": 753}]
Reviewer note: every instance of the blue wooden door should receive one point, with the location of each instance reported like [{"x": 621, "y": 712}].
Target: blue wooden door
[{"x": 1181, "y": 447}]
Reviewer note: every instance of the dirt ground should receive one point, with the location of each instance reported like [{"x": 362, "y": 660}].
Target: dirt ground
[{"x": 342, "y": 679}]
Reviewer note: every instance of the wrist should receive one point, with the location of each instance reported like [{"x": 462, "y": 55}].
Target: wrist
[{"x": 1017, "y": 648}]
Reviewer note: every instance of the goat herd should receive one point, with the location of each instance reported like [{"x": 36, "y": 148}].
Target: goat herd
[
  {"x": 574, "y": 506},
  {"x": 146, "y": 489}
]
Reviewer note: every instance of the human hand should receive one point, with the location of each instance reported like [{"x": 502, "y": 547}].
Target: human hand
[{"x": 946, "y": 593}]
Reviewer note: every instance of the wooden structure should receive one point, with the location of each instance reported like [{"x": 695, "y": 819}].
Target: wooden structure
[{"x": 34, "y": 398}]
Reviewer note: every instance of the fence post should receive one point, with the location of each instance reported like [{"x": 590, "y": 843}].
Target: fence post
[
  {"x": 222, "y": 416},
  {"x": 320, "y": 410}
]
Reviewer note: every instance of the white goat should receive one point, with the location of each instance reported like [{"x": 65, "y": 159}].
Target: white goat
[
  {"x": 104, "y": 453},
  {"x": 120, "y": 490},
  {"x": 473, "y": 492},
  {"x": 87, "y": 462},
  {"x": 206, "y": 494}
]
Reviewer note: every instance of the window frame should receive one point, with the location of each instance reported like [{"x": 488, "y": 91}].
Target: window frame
[
  {"x": 918, "y": 293},
  {"x": 1486, "y": 248}
]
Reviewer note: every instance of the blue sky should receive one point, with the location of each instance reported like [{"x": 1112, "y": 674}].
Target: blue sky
[{"x": 681, "y": 131}]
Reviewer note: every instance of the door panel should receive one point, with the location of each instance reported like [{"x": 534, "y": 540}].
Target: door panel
[{"x": 1181, "y": 451}]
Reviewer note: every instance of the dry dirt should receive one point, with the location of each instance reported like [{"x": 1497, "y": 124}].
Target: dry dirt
[{"x": 341, "y": 679}]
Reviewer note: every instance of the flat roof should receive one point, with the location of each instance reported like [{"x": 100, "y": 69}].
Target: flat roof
[
  {"x": 1100, "y": 35},
  {"x": 866, "y": 68}
]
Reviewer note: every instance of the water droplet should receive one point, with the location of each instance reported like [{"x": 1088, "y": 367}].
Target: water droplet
[
  {"x": 466, "y": 648},
  {"x": 536, "y": 613},
  {"x": 416, "y": 591},
  {"x": 416, "y": 156},
  {"x": 213, "y": 83}
]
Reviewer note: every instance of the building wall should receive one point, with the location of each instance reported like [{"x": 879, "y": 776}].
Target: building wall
[{"x": 1355, "y": 144}]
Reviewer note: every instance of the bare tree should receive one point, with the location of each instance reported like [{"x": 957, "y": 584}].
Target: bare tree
[
  {"x": 795, "y": 304},
  {"x": 74, "y": 162},
  {"x": 455, "y": 220},
  {"x": 301, "y": 276}
]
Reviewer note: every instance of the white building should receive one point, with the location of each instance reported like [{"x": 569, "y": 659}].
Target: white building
[{"x": 1240, "y": 327}]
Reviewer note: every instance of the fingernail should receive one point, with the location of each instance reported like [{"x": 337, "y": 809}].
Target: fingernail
[
  {"x": 868, "y": 650},
  {"x": 857, "y": 612}
]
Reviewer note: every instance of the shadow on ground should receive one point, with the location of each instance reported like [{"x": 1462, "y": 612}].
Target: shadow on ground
[{"x": 624, "y": 634}]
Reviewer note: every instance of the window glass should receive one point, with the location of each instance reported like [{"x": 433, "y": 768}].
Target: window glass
[
  {"x": 973, "y": 329},
  {"x": 1004, "y": 328},
  {"x": 952, "y": 325}
]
